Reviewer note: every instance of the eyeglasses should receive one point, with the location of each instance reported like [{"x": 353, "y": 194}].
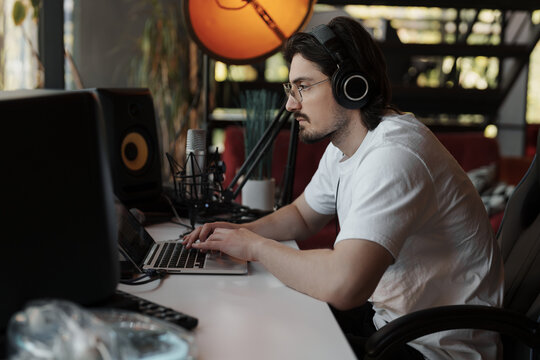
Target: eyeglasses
[{"x": 296, "y": 90}]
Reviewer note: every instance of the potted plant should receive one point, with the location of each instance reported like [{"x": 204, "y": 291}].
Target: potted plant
[
  {"x": 163, "y": 68},
  {"x": 259, "y": 190}
]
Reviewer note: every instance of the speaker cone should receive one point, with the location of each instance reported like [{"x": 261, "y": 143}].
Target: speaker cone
[{"x": 134, "y": 151}]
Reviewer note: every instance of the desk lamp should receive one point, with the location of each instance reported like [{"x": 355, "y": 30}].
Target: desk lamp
[{"x": 244, "y": 32}]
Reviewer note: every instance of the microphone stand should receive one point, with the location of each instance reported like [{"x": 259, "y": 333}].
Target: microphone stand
[{"x": 259, "y": 150}]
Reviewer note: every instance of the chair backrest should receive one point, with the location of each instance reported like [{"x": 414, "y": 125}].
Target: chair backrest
[{"x": 519, "y": 240}]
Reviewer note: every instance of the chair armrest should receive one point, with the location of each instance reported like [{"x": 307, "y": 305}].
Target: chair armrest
[{"x": 428, "y": 321}]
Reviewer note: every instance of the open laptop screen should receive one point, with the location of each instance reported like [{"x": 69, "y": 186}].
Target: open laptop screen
[{"x": 133, "y": 240}]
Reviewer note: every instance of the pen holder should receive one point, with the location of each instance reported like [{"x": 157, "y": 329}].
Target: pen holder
[{"x": 259, "y": 194}]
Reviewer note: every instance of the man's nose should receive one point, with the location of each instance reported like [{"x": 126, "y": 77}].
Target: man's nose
[{"x": 292, "y": 104}]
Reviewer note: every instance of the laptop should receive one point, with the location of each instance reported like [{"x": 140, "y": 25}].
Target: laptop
[{"x": 139, "y": 248}]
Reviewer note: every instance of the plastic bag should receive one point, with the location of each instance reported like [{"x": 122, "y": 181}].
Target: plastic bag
[{"x": 57, "y": 329}]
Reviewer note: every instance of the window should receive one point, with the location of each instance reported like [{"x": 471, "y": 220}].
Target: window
[{"x": 20, "y": 65}]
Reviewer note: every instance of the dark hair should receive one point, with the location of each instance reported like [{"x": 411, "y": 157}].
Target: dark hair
[{"x": 366, "y": 55}]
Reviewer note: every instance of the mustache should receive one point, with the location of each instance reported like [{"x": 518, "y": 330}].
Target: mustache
[{"x": 301, "y": 115}]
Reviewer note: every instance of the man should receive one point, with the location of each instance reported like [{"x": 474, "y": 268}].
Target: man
[{"x": 413, "y": 231}]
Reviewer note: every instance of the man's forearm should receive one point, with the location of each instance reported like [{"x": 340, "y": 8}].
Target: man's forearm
[
  {"x": 344, "y": 277},
  {"x": 293, "y": 222},
  {"x": 299, "y": 269},
  {"x": 296, "y": 221},
  {"x": 285, "y": 224}
]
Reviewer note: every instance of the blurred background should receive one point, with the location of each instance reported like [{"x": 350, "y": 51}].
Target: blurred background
[{"x": 458, "y": 65}]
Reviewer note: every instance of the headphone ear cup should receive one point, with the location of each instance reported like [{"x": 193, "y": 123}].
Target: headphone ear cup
[
  {"x": 350, "y": 88},
  {"x": 336, "y": 87}
]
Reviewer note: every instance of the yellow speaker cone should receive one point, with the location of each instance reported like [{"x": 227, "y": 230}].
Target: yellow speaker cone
[{"x": 134, "y": 151}]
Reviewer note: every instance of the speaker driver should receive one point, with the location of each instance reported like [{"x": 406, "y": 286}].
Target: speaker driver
[{"x": 134, "y": 151}]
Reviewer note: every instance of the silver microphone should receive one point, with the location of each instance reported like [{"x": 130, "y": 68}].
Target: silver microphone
[{"x": 195, "y": 162}]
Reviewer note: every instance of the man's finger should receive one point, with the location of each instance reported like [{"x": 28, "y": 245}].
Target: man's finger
[
  {"x": 205, "y": 232},
  {"x": 222, "y": 230},
  {"x": 190, "y": 238},
  {"x": 207, "y": 245}
]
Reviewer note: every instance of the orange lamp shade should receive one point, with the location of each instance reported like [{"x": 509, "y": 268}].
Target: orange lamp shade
[{"x": 244, "y": 31}]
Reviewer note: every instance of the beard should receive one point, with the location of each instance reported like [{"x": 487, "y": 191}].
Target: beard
[
  {"x": 337, "y": 130},
  {"x": 308, "y": 137}
]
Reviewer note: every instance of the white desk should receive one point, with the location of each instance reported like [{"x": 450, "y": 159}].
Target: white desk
[{"x": 251, "y": 316}]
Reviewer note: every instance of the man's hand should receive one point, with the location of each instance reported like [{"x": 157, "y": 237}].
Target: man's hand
[
  {"x": 239, "y": 243},
  {"x": 202, "y": 232}
]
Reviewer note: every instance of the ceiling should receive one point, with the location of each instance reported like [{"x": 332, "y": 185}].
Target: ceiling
[{"x": 466, "y": 4}]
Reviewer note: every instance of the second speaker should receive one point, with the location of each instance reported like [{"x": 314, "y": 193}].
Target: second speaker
[{"x": 133, "y": 144}]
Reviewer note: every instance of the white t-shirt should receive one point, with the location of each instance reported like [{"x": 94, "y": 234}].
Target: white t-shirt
[{"x": 403, "y": 190}]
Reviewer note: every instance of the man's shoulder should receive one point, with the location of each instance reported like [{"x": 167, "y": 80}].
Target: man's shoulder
[
  {"x": 406, "y": 134},
  {"x": 332, "y": 152},
  {"x": 402, "y": 129}
]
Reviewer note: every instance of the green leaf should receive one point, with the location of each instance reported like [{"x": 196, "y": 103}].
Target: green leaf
[
  {"x": 19, "y": 12},
  {"x": 258, "y": 105}
]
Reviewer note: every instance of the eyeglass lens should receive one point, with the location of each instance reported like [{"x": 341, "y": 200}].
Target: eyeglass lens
[{"x": 291, "y": 90}]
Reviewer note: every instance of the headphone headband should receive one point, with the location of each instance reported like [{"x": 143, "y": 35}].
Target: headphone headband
[
  {"x": 328, "y": 40},
  {"x": 349, "y": 86}
]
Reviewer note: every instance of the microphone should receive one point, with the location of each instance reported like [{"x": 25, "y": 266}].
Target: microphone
[
  {"x": 198, "y": 191},
  {"x": 195, "y": 162}
]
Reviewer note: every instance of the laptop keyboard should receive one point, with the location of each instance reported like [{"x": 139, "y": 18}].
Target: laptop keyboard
[{"x": 176, "y": 256}]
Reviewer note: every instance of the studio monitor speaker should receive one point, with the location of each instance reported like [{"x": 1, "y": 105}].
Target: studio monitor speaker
[
  {"x": 133, "y": 144},
  {"x": 57, "y": 201}
]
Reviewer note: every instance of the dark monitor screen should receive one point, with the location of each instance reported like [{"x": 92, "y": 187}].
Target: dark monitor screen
[{"x": 58, "y": 217}]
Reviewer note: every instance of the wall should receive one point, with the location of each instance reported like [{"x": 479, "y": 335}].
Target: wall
[
  {"x": 105, "y": 39},
  {"x": 511, "y": 116}
]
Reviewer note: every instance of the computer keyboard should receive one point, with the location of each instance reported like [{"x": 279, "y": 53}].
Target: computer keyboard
[
  {"x": 177, "y": 256},
  {"x": 125, "y": 301}
]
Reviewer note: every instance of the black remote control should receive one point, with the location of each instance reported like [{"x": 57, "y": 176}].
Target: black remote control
[{"x": 125, "y": 301}]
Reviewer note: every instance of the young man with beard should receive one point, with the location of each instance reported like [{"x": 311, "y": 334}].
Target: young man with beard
[{"x": 414, "y": 233}]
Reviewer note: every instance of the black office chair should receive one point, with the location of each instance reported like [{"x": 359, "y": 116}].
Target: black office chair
[{"x": 518, "y": 321}]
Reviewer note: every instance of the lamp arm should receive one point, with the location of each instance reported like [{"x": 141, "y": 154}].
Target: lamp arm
[
  {"x": 288, "y": 177},
  {"x": 256, "y": 154}
]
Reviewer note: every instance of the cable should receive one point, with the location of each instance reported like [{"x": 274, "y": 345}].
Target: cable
[
  {"x": 177, "y": 217},
  {"x": 152, "y": 275},
  {"x": 335, "y": 206},
  {"x": 132, "y": 280}
]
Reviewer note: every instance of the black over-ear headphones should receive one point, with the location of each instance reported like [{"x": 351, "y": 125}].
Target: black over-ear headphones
[{"x": 349, "y": 86}]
